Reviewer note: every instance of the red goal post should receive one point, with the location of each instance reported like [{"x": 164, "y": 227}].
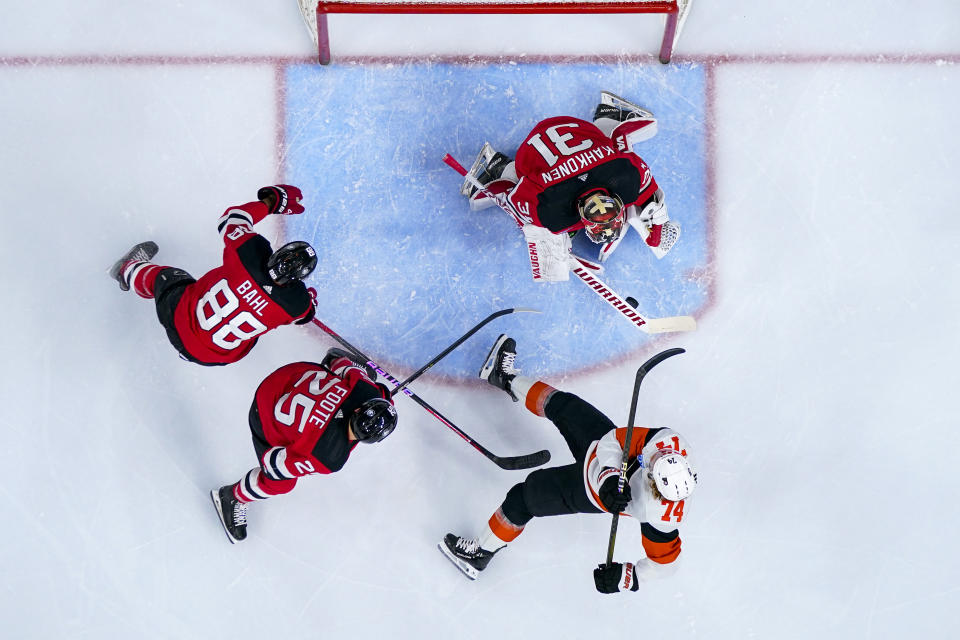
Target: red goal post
[{"x": 315, "y": 13}]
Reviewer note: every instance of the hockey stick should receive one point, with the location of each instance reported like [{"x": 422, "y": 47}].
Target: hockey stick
[
  {"x": 461, "y": 340},
  {"x": 625, "y": 458},
  {"x": 509, "y": 463},
  {"x": 582, "y": 269}
]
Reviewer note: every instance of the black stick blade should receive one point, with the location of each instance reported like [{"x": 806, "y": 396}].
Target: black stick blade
[{"x": 516, "y": 463}]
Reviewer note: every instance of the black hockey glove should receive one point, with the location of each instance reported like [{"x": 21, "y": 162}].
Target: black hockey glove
[
  {"x": 610, "y": 495},
  {"x": 614, "y": 577},
  {"x": 282, "y": 198}
]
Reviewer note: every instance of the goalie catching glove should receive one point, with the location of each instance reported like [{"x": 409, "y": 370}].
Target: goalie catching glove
[
  {"x": 283, "y": 199},
  {"x": 614, "y": 577}
]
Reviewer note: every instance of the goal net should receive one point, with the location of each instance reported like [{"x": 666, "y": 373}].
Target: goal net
[{"x": 315, "y": 13}]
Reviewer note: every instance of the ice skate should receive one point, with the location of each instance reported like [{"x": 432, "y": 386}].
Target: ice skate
[
  {"x": 488, "y": 166},
  {"x": 617, "y": 108},
  {"x": 466, "y": 554},
  {"x": 498, "y": 368},
  {"x": 142, "y": 252},
  {"x": 232, "y": 512}
]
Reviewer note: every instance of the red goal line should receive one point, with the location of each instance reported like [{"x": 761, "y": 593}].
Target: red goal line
[{"x": 315, "y": 13}]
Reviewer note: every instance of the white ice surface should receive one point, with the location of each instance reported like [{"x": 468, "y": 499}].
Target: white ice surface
[{"x": 820, "y": 389}]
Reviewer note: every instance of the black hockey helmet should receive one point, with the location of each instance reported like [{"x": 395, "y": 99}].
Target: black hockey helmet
[
  {"x": 292, "y": 261},
  {"x": 374, "y": 420}
]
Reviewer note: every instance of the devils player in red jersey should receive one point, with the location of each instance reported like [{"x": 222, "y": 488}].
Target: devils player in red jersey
[
  {"x": 570, "y": 174},
  {"x": 306, "y": 418},
  {"x": 660, "y": 479},
  {"x": 217, "y": 319}
]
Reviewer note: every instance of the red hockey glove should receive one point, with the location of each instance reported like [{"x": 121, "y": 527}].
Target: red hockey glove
[
  {"x": 282, "y": 198},
  {"x": 336, "y": 353},
  {"x": 614, "y": 577},
  {"x": 313, "y": 296},
  {"x": 610, "y": 495}
]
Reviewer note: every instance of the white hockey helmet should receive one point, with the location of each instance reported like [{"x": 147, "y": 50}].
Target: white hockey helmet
[{"x": 670, "y": 471}]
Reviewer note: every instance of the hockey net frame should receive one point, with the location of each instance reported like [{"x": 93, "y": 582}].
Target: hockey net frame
[{"x": 315, "y": 13}]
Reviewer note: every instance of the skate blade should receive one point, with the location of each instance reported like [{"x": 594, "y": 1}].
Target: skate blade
[
  {"x": 483, "y": 158},
  {"x": 149, "y": 248},
  {"x": 613, "y": 100},
  {"x": 489, "y": 363},
  {"x": 215, "y": 496},
  {"x": 465, "y": 568}
]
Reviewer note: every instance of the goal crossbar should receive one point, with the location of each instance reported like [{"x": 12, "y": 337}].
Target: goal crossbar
[{"x": 671, "y": 8}]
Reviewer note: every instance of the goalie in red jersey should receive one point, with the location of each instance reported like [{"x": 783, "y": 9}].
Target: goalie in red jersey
[
  {"x": 218, "y": 318},
  {"x": 570, "y": 174},
  {"x": 306, "y": 418}
]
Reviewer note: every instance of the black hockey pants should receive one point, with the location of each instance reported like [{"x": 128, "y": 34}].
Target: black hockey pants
[
  {"x": 560, "y": 490},
  {"x": 167, "y": 291}
]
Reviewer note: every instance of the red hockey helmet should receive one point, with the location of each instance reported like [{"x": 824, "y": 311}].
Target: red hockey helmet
[{"x": 603, "y": 215}]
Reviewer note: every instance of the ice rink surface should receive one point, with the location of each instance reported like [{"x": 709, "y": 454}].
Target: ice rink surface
[{"x": 819, "y": 391}]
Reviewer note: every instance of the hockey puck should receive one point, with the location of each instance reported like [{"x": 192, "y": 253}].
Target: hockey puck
[{"x": 632, "y": 301}]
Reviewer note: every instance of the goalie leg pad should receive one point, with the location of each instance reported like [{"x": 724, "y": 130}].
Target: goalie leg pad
[
  {"x": 480, "y": 201},
  {"x": 549, "y": 254}
]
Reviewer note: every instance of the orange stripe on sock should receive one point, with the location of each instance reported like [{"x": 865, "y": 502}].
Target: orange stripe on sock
[
  {"x": 661, "y": 552},
  {"x": 503, "y": 528},
  {"x": 537, "y": 397}
]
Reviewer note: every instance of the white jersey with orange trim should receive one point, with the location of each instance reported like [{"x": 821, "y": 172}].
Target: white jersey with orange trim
[{"x": 660, "y": 519}]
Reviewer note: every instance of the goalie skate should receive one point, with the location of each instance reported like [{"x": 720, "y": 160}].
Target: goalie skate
[
  {"x": 613, "y": 106},
  {"x": 488, "y": 166}
]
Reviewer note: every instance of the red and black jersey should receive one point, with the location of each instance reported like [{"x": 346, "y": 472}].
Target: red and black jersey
[
  {"x": 220, "y": 317},
  {"x": 304, "y": 410},
  {"x": 562, "y": 159}
]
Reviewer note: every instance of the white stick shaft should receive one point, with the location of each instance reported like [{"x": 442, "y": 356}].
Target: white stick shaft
[{"x": 615, "y": 300}]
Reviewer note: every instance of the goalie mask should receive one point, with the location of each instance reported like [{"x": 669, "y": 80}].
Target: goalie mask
[
  {"x": 671, "y": 473},
  {"x": 602, "y": 214},
  {"x": 373, "y": 420},
  {"x": 292, "y": 261}
]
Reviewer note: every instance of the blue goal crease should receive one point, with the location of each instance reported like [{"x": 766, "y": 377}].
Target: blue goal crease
[{"x": 406, "y": 268}]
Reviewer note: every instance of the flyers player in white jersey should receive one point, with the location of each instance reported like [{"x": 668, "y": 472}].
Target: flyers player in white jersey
[
  {"x": 218, "y": 318},
  {"x": 660, "y": 481},
  {"x": 570, "y": 174},
  {"x": 306, "y": 418}
]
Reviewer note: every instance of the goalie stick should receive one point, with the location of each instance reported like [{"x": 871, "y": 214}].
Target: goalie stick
[
  {"x": 625, "y": 458},
  {"x": 584, "y": 269},
  {"x": 509, "y": 463}
]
